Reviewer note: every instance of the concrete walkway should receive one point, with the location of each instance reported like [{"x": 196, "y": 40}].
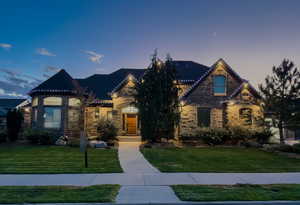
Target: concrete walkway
[
  {"x": 132, "y": 161},
  {"x": 135, "y": 165}
]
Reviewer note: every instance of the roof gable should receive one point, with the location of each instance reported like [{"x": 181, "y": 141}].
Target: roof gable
[
  {"x": 59, "y": 82},
  {"x": 220, "y": 62}
]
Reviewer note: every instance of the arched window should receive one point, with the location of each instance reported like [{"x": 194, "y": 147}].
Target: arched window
[
  {"x": 219, "y": 85},
  {"x": 246, "y": 116}
]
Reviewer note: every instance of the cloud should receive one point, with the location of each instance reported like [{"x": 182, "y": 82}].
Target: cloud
[
  {"x": 16, "y": 84},
  {"x": 51, "y": 69},
  {"x": 5, "y": 46},
  {"x": 94, "y": 57},
  {"x": 44, "y": 52}
]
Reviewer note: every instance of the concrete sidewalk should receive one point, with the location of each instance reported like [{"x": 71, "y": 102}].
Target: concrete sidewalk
[{"x": 158, "y": 179}]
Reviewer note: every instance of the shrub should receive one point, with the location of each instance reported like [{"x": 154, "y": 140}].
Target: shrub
[
  {"x": 3, "y": 136},
  {"x": 284, "y": 148},
  {"x": 74, "y": 142},
  {"x": 232, "y": 135},
  {"x": 107, "y": 131},
  {"x": 35, "y": 136},
  {"x": 14, "y": 121},
  {"x": 296, "y": 148}
]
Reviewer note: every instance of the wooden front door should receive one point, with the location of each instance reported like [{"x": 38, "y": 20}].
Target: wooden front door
[{"x": 131, "y": 121}]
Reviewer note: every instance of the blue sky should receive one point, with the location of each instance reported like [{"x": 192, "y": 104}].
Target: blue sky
[{"x": 88, "y": 37}]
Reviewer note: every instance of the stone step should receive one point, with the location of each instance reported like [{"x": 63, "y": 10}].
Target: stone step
[{"x": 130, "y": 138}]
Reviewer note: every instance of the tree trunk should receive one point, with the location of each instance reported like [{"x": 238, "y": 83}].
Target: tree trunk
[{"x": 281, "y": 132}]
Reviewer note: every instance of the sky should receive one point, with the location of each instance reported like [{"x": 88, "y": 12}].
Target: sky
[{"x": 37, "y": 38}]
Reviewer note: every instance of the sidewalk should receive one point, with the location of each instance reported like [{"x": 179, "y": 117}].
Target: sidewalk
[{"x": 157, "y": 179}]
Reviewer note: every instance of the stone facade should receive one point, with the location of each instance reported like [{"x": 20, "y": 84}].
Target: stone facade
[{"x": 225, "y": 109}]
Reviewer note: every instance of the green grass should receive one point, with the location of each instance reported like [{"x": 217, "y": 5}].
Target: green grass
[
  {"x": 55, "y": 160},
  {"x": 58, "y": 194},
  {"x": 237, "y": 192},
  {"x": 219, "y": 160}
]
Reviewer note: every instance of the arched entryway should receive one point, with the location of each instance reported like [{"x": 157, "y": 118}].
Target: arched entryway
[{"x": 130, "y": 121}]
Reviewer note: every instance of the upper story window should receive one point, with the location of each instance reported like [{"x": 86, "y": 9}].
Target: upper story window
[
  {"x": 219, "y": 85},
  {"x": 53, "y": 101}
]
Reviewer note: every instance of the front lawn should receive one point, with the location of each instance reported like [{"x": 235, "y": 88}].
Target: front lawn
[
  {"x": 220, "y": 160},
  {"x": 56, "y": 160},
  {"x": 237, "y": 192},
  {"x": 58, "y": 194}
]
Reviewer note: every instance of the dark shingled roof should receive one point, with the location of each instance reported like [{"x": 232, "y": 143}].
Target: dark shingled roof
[
  {"x": 102, "y": 84},
  {"x": 60, "y": 82},
  {"x": 8, "y": 104}
]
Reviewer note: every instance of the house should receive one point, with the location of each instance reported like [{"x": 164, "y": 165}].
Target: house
[
  {"x": 210, "y": 96},
  {"x": 9, "y": 104}
]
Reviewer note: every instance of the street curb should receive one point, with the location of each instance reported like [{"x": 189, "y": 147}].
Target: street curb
[{"x": 181, "y": 203}]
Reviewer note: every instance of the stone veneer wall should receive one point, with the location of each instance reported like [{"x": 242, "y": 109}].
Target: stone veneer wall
[
  {"x": 233, "y": 116},
  {"x": 189, "y": 119},
  {"x": 92, "y": 117}
]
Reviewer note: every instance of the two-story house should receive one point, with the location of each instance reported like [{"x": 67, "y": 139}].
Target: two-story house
[{"x": 210, "y": 96}]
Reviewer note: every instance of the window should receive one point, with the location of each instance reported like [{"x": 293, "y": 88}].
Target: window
[
  {"x": 53, "y": 101},
  {"x": 219, "y": 85},
  {"x": 34, "y": 110},
  {"x": 35, "y": 102},
  {"x": 203, "y": 115},
  {"x": 109, "y": 115},
  {"x": 52, "y": 117},
  {"x": 130, "y": 109},
  {"x": 74, "y": 102},
  {"x": 246, "y": 116}
]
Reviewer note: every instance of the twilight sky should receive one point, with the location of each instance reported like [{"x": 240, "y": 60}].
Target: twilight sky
[{"x": 88, "y": 37}]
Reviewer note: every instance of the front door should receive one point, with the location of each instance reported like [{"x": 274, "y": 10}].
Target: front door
[{"x": 131, "y": 120}]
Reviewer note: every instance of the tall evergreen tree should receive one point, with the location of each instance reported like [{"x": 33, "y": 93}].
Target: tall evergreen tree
[
  {"x": 14, "y": 120},
  {"x": 281, "y": 90},
  {"x": 157, "y": 100}
]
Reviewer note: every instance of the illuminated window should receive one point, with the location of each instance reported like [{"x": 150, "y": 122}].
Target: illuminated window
[
  {"x": 219, "y": 84},
  {"x": 74, "y": 102},
  {"x": 35, "y": 101},
  {"x": 109, "y": 115},
  {"x": 130, "y": 109},
  {"x": 246, "y": 116},
  {"x": 52, "y": 117},
  {"x": 56, "y": 101}
]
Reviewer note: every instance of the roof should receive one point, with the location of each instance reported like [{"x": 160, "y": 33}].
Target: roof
[
  {"x": 8, "y": 104},
  {"x": 60, "y": 82},
  {"x": 239, "y": 89},
  {"x": 102, "y": 84},
  {"x": 202, "y": 77}
]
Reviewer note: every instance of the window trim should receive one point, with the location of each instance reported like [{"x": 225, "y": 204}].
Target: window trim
[
  {"x": 61, "y": 117},
  {"x": 209, "y": 120},
  {"x": 225, "y": 86},
  {"x": 243, "y": 119}
]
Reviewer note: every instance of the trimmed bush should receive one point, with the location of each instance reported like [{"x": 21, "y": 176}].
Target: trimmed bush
[
  {"x": 230, "y": 136},
  {"x": 42, "y": 137},
  {"x": 296, "y": 148},
  {"x": 3, "y": 136},
  {"x": 107, "y": 131}
]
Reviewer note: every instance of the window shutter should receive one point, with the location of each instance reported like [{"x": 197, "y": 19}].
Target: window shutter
[{"x": 203, "y": 117}]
